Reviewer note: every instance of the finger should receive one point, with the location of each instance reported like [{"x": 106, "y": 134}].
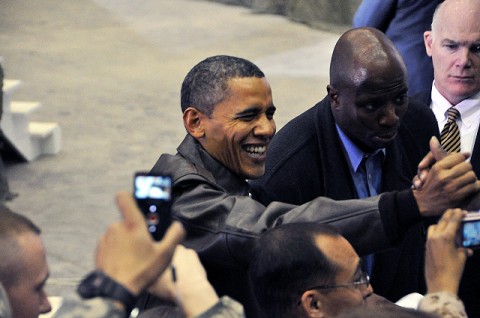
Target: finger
[
  {"x": 466, "y": 154},
  {"x": 468, "y": 252},
  {"x": 450, "y": 161},
  {"x": 460, "y": 169},
  {"x": 128, "y": 208},
  {"x": 436, "y": 149},
  {"x": 463, "y": 185},
  {"x": 174, "y": 235},
  {"x": 426, "y": 162},
  {"x": 453, "y": 220},
  {"x": 416, "y": 183},
  {"x": 431, "y": 230},
  {"x": 99, "y": 252}
]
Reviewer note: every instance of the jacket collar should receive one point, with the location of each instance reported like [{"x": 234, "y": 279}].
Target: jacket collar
[{"x": 191, "y": 149}]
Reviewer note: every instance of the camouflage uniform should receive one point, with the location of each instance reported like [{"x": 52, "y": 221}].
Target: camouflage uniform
[
  {"x": 444, "y": 304},
  {"x": 4, "y": 305},
  {"x": 225, "y": 308},
  {"x": 75, "y": 307},
  {"x": 101, "y": 307}
]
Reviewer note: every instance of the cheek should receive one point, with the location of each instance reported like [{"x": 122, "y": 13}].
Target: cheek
[
  {"x": 366, "y": 124},
  {"x": 24, "y": 303}
]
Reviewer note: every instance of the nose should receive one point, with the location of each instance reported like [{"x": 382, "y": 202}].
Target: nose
[
  {"x": 366, "y": 291},
  {"x": 265, "y": 127},
  {"x": 45, "y": 305},
  {"x": 463, "y": 58},
  {"x": 389, "y": 116}
]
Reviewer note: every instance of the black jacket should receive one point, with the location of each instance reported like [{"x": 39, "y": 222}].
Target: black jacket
[{"x": 306, "y": 160}]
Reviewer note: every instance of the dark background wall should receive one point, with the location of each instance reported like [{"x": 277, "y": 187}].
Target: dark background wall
[{"x": 322, "y": 14}]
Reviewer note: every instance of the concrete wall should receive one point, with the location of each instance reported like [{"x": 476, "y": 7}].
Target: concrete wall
[{"x": 322, "y": 14}]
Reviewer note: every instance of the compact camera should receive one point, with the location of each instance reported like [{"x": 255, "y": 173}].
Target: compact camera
[
  {"x": 469, "y": 235},
  {"x": 153, "y": 194}
]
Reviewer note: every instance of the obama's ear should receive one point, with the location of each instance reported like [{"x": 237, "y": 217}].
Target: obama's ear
[{"x": 193, "y": 122}]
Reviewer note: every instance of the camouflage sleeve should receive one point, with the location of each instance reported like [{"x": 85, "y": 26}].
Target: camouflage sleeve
[
  {"x": 4, "y": 304},
  {"x": 444, "y": 304},
  {"x": 225, "y": 308},
  {"x": 76, "y": 307}
]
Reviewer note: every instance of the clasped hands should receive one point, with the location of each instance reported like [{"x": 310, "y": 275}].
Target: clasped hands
[{"x": 445, "y": 180}]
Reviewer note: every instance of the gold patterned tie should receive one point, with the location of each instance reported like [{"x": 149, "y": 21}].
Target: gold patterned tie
[{"x": 450, "y": 137}]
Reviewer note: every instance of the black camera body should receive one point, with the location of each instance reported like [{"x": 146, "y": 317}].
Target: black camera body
[{"x": 153, "y": 194}]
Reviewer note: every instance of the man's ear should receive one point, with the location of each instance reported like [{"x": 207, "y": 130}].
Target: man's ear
[
  {"x": 192, "y": 120},
  {"x": 333, "y": 94},
  {"x": 312, "y": 304},
  {"x": 427, "y": 39}
]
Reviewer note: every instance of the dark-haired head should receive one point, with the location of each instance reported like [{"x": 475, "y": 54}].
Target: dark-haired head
[{"x": 206, "y": 85}]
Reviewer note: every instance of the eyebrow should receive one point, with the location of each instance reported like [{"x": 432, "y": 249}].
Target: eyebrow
[
  {"x": 462, "y": 43},
  {"x": 253, "y": 110},
  {"x": 43, "y": 282},
  {"x": 358, "y": 270}
]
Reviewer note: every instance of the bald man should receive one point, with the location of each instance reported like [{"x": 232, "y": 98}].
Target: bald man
[
  {"x": 454, "y": 45},
  {"x": 364, "y": 138}
]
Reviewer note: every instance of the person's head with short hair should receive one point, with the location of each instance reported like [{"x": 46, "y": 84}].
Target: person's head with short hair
[
  {"x": 386, "y": 311},
  {"x": 228, "y": 108},
  {"x": 454, "y": 45},
  {"x": 306, "y": 270},
  {"x": 23, "y": 267},
  {"x": 368, "y": 88}
]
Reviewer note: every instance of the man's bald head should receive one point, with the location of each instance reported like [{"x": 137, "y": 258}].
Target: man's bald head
[
  {"x": 454, "y": 45},
  {"x": 368, "y": 88},
  {"x": 360, "y": 54},
  {"x": 466, "y": 11}
]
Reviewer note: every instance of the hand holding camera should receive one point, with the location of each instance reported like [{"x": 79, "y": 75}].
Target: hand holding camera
[{"x": 444, "y": 258}]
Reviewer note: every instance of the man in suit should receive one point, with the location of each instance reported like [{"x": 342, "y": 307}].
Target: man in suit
[
  {"x": 403, "y": 21},
  {"x": 454, "y": 45},
  {"x": 363, "y": 139}
]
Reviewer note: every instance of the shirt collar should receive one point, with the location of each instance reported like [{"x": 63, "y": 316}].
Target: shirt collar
[
  {"x": 467, "y": 107},
  {"x": 354, "y": 153}
]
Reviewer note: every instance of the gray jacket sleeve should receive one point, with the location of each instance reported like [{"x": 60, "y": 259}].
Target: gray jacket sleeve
[{"x": 225, "y": 225}]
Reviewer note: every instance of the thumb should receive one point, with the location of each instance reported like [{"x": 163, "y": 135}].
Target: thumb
[
  {"x": 174, "y": 235},
  {"x": 436, "y": 149},
  {"x": 128, "y": 208}
]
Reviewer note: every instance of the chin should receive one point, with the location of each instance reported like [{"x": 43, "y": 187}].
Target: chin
[{"x": 254, "y": 174}]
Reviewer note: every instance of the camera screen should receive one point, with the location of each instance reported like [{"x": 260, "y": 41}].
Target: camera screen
[
  {"x": 471, "y": 233},
  {"x": 153, "y": 187},
  {"x": 153, "y": 194}
]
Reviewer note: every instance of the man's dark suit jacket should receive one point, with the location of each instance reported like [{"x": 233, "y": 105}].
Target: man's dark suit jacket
[
  {"x": 403, "y": 22},
  {"x": 306, "y": 160},
  {"x": 469, "y": 290}
]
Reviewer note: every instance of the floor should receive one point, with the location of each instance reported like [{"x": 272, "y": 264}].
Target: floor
[{"x": 109, "y": 72}]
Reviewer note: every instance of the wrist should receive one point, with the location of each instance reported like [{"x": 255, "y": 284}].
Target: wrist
[
  {"x": 443, "y": 286},
  {"x": 197, "y": 300},
  {"x": 98, "y": 284}
]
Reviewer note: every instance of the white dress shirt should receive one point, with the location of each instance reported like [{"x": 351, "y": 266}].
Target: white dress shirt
[{"x": 469, "y": 116}]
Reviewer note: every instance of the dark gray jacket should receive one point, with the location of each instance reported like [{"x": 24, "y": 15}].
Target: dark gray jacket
[{"x": 223, "y": 221}]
